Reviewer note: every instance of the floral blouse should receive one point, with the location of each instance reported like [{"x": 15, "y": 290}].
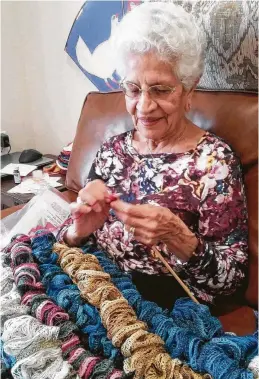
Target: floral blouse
[{"x": 203, "y": 186}]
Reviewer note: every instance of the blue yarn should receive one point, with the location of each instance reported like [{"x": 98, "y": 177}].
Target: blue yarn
[
  {"x": 189, "y": 331},
  {"x": 240, "y": 349},
  {"x": 45, "y": 255},
  {"x": 60, "y": 288},
  {"x": 201, "y": 322},
  {"x": 212, "y": 361}
]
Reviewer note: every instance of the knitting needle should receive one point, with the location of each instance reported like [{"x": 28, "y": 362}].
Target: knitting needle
[{"x": 157, "y": 254}]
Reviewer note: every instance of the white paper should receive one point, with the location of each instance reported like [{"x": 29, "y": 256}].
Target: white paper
[
  {"x": 47, "y": 210},
  {"x": 33, "y": 186},
  {"x": 25, "y": 169}
]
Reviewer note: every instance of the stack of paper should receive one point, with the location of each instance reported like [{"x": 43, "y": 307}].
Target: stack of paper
[
  {"x": 31, "y": 185},
  {"x": 24, "y": 169},
  {"x": 45, "y": 211}
]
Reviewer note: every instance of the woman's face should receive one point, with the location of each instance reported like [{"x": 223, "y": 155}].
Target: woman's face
[{"x": 155, "y": 119}]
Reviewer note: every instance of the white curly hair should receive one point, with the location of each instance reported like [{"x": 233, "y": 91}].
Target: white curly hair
[{"x": 169, "y": 31}]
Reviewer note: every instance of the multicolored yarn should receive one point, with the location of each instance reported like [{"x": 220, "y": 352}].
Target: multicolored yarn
[
  {"x": 22, "y": 351},
  {"x": 190, "y": 332},
  {"x": 61, "y": 289},
  {"x": 10, "y": 308},
  {"x": 36, "y": 348},
  {"x": 27, "y": 278},
  {"x": 144, "y": 351},
  {"x": 7, "y": 362}
]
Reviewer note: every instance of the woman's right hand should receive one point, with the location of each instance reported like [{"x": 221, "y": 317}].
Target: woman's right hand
[{"x": 89, "y": 212}]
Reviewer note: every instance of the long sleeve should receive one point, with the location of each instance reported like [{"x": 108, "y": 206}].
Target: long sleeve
[
  {"x": 93, "y": 174},
  {"x": 97, "y": 170},
  {"x": 219, "y": 264}
]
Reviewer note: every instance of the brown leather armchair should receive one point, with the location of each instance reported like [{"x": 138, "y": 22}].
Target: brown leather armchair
[{"x": 232, "y": 116}]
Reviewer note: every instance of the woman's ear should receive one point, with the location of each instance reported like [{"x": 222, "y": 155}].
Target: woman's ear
[
  {"x": 189, "y": 95},
  {"x": 188, "y": 100}
]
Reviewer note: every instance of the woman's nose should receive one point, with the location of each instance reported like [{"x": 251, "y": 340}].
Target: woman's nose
[{"x": 145, "y": 103}]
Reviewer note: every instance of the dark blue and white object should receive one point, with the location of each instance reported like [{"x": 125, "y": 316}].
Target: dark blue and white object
[{"x": 88, "y": 43}]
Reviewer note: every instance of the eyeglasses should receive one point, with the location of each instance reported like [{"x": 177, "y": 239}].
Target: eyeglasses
[{"x": 156, "y": 92}]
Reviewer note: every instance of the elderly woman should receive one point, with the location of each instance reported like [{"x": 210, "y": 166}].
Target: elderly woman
[{"x": 166, "y": 183}]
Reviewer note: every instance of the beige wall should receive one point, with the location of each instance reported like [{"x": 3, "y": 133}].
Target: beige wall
[{"x": 42, "y": 89}]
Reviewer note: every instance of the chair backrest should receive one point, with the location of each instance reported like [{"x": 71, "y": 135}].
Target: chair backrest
[{"x": 232, "y": 116}]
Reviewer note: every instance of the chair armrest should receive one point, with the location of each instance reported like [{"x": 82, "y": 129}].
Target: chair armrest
[
  {"x": 69, "y": 196},
  {"x": 8, "y": 211},
  {"x": 241, "y": 321}
]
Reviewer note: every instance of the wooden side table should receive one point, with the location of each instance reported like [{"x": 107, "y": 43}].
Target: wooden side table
[{"x": 11, "y": 199}]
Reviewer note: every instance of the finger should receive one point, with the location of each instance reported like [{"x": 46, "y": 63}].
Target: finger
[
  {"x": 88, "y": 198},
  {"x": 97, "y": 207},
  {"x": 147, "y": 224},
  {"x": 131, "y": 209},
  {"x": 94, "y": 186},
  {"x": 76, "y": 208},
  {"x": 91, "y": 201},
  {"x": 93, "y": 192},
  {"x": 146, "y": 238},
  {"x": 133, "y": 221}
]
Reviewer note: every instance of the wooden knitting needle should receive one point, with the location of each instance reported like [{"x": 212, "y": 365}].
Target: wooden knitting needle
[{"x": 157, "y": 254}]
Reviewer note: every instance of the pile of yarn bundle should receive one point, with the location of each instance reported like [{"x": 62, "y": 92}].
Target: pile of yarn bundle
[
  {"x": 72, "y": 313},
  {"x": 62, "y": 161},
  {"x": 64, "y": 156},
  {"x": 39, "y": 338}
]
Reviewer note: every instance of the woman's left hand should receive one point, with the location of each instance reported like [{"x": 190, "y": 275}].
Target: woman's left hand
[{"x": 153, "y": 224}]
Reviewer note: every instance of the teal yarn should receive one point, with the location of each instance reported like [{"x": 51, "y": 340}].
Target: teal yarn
[{"x": 61, "y": 289}]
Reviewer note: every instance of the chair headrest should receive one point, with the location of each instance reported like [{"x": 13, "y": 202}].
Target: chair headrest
[{"x": 232, "y": 116}]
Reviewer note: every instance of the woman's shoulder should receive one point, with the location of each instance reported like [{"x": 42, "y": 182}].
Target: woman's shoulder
[
  {"x": 211, "y": 144},
  {"x": 116, "y": 142}
]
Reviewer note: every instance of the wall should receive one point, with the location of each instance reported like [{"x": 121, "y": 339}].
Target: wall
[
  {"x": 42, "y": 89},
  {"x": 14, "y": 104}
]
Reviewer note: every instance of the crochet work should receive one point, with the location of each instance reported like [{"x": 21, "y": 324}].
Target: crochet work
[{"x": 50, "y": 330}]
